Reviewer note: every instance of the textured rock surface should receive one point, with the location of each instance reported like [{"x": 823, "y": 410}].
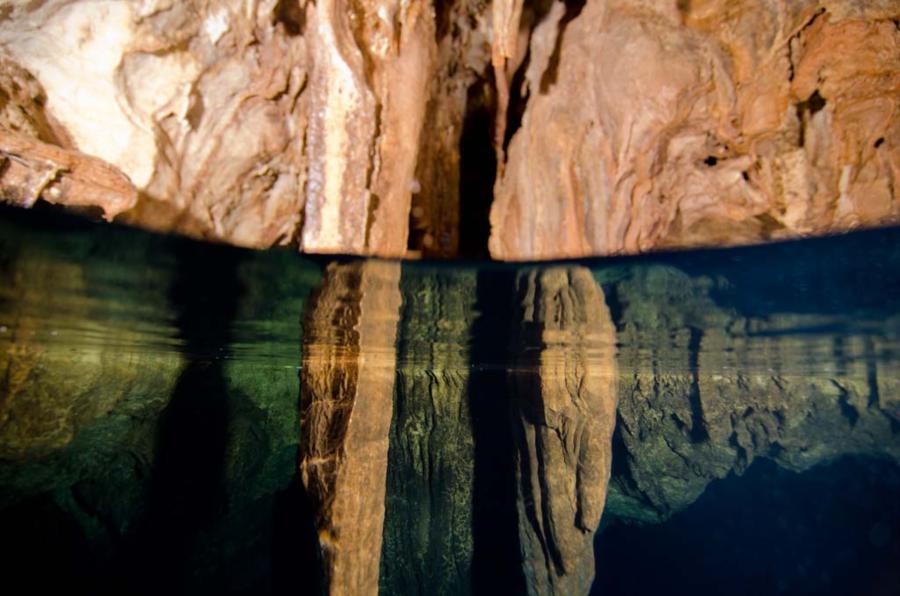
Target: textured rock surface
[
  {"x": 49, "y": 390},
  {"x": 197, "y": 103},
  {"x": 259, "y": 124},
  {"x": 34, "y": 170},
  {"x": 712, "y": 388},
  {"x": 658, "y": 124},
  {"x": 377, "y": 126},
  {"x": 428, "y": 524},
  {"x": 346, "y": 401},
  {"x": 564, "y": 411},
  {"x": 100, "y": 399}
]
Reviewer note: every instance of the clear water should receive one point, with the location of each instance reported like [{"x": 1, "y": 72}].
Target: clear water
[{"x": 177, "y": 417}]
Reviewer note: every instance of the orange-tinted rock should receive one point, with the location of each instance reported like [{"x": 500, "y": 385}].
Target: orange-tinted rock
[
  {"x": 284, "y": 122},
  {"x": 33, "y": 170},
  {"x": 338, "y": 126},
  {"x": 346, "y": 400},
  {"x": 718, "y": 123}
]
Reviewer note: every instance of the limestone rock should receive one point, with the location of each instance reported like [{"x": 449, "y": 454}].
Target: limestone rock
[
  {"x": 349, "y": 126},
  {"x": 34, "y": 170},
  {"x": 346, "y": 401},
  {"x": 564, "y": 402},
  {"x": 428, "y": 533},
  {"x": 710, "y": 389},
  {"x": 661, "y": 124},
  {"x": 271, "y": 123}
]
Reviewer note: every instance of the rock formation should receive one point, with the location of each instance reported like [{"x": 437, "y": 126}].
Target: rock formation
[
  {"x": 720, "y": 359},
  {"x": 428, "y": 536},
  {"x": 346, "y": 401},
  {"x": 563, "y": 391},
  {"x": 709, "y": 389},
  {"x": 55, "y": 379},
  {"x": 659, "y": 124},
  {"x": 377, "y": 126},
  {"x": 92, "y": 358}
]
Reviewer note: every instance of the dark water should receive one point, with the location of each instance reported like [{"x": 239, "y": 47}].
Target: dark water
[{"x": 177, "y": 417}]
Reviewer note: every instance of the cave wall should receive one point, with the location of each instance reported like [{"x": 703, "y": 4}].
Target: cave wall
[{"x": 382, "y": 127}]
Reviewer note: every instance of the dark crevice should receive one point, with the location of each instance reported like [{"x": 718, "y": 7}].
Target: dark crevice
[
  {"x": 496, "y": 560},
  {"x": 807, "y": 109},
  {"x": 291, "y": 15},
  {"x": 711, "y": 160},
  {"x": 518, "y": 101},
  {"x": 443, "y": 9},
  {"x": 847, "y": 409},
  {"x": 374, "y": 199},
  {"x": 549, "y": 77},
  {"x": 477, "y": 170},
  {"x": 187, "y": 487},
  {"x": 872, "y": 373},
  {"x": 614, "y": 304}
]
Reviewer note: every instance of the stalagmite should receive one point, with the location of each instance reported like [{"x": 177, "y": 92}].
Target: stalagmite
[{"x": 346, "y": 400}]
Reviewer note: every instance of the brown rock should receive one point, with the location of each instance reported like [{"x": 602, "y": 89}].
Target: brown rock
[
  {"x": 564, "y": 408},
  {"x": 33, "y": 170},
  {"x": 714, "y": 124},
  {"x": 346, "y": 400},
  {"x": 337, "y": 126}
]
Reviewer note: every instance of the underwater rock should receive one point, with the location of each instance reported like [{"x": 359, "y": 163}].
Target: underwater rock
[
  {"x": 346, "y": 403},
  {"x": 428, "y": 533},
  {"x": 563, "y": 410},
  {"x": 106, "y": 415},
  {"x": 49, "y": 390},
  {"x": 664, "y": 124},
  {"x": 718, "y": 388}
]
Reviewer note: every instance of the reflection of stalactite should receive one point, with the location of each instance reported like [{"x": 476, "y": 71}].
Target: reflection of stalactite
[
  {"x": 347, "y": 383},
  {"x": 564, "y": 387},
  {"x": 428, "y": 524}
]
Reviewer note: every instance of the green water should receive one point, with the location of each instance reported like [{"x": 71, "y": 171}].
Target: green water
[{"x": 178, "y": 417}]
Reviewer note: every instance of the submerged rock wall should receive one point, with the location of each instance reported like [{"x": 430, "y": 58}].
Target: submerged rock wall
[
  {"x": 428, "y": 535},
  {"x": 710, "y": 389},
  {"x": 563, "y": 399},
  {"x": 346, "y": 402},
  {"x": 378, "y": 127}
]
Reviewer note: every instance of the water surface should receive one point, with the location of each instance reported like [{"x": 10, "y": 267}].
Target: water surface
[{"x": 185, "y": 417}]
